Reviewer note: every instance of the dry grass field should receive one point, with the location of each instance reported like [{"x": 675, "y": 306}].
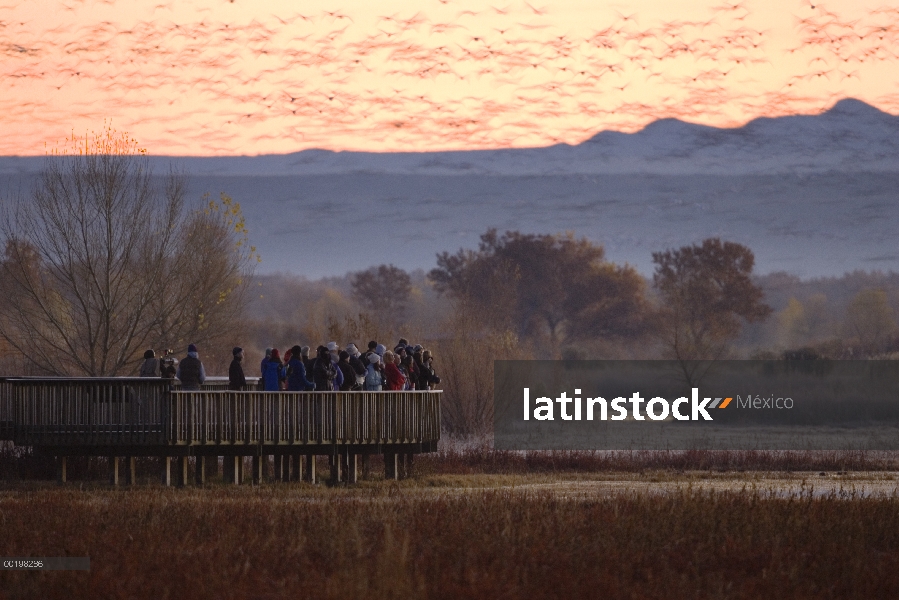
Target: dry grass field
[{"x": 552, "y": 534}]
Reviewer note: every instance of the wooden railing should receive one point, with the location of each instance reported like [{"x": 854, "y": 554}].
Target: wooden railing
[
  {"x": 303, "y": 418},
  {"x": 88, "y": 410},
  {"x": 147, "y": 411},
  {"x": 6, "y": 410}
]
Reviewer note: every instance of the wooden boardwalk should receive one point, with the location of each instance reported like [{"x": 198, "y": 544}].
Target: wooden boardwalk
[{"x": 129, "y": 417}]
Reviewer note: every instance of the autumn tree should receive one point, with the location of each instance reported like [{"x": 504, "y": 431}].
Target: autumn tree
[
  {"x": 384, "y": 289},
  {"x": 544, "y": 287},
  {"x": 869, "y": 318},
  {"x": 102, "y": 261},
  {"x": 707, "y": 294}
]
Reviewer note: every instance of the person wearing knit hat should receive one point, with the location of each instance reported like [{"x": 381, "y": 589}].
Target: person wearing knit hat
[
  {"x": 236, "y": 379},
  {"x": 428, "y": 378},
  {"x": 268, "y": 355},
  {"x": 380, "y": 349},
  {"x": 325, "y": 374},
  {"x": 297, "y": 375},
  {"x": 357, "y": 364},
  {"x": 349, "y": 375},
  {"x": 374, "y": 379},
  {"x": 333, "y": 350},
  {"x": 190, "y": 372},
  {"x": 371, "y": 348},
  {"x": 308, "y": 362}
]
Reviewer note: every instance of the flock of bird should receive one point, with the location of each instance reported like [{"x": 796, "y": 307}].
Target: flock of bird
[{"x": 208, "y": 85}]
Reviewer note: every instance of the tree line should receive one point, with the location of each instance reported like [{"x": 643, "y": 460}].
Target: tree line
[{"x": 102, "y": 261}]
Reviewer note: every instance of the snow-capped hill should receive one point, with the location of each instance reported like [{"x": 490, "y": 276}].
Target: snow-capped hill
[{"x": 851, "y": 136}]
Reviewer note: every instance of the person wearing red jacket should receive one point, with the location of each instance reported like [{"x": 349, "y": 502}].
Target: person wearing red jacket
[{"x": 395, "y": 379}]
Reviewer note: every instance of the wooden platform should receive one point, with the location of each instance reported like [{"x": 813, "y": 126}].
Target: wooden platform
[{"x": 128, "y": 417}]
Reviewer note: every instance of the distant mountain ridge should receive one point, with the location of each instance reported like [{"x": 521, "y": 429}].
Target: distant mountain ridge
[{"x": 852, "y": 136}]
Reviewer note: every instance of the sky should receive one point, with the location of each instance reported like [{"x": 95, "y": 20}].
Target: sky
[{"x": 223, "y": 78}]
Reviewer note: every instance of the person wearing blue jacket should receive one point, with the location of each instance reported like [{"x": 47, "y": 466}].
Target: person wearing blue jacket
[
  {"x": 268, "y": 355},
  {"x": 273, "y": 372},
  {"x": 296, "y": 373}
]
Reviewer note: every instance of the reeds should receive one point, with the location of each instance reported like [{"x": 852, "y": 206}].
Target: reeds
[
  {"x": 467, "y": 457},
  {"x": 387, "y": 541}
]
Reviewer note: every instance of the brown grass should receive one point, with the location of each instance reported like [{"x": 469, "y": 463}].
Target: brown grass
[
  {"x": 467, "y": 458},
  {"x": 388, "y": 541}
]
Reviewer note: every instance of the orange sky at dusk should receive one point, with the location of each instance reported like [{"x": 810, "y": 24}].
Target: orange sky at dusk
[{"x": 228, "y": 78}]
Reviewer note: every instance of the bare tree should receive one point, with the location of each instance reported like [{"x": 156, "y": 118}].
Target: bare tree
[{"x": 101, "y": 261}]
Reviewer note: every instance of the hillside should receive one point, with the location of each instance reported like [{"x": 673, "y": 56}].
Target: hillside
[{"x": 811, "y": 195}]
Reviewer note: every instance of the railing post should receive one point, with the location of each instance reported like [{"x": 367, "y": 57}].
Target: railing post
[{"x": 248, "y": 421}]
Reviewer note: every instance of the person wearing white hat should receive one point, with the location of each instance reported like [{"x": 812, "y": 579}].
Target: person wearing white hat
[
  {"x": 357, "y": 364},
  {"x": 334, "y": 351},
  {"x": 374, "y": 379}
]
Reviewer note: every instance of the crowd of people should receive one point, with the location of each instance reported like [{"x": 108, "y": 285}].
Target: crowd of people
[{"x": 406, "y": 367}]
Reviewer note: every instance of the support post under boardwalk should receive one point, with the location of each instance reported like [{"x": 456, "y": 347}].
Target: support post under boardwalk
[
  {"x": 309, "y": 473},
  {"x": 113, "y": 462},
  {"x": 166, "y": 471},
  {"x": 60, "y": 469},
  {"x": 366, "y": 466},
  {"x": 406, "y": 468},
  {"x": 130, "y": 470},
  {"x": 279, "y": 467},
  {"x": 344, "y": 457},
  {"x": 200, "y": 470},
  {"x": 257, "y": 468},
  {"x": 352, "y": 471},
  {"x": 183, "y": 477},
  {"x": 296, "y": 467},
  {"x": 212, "y": 466},
  {"x": 390, "y": 466},
  {"x": 231, "y": 469},
  {"x": 334, "y": 462}
]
